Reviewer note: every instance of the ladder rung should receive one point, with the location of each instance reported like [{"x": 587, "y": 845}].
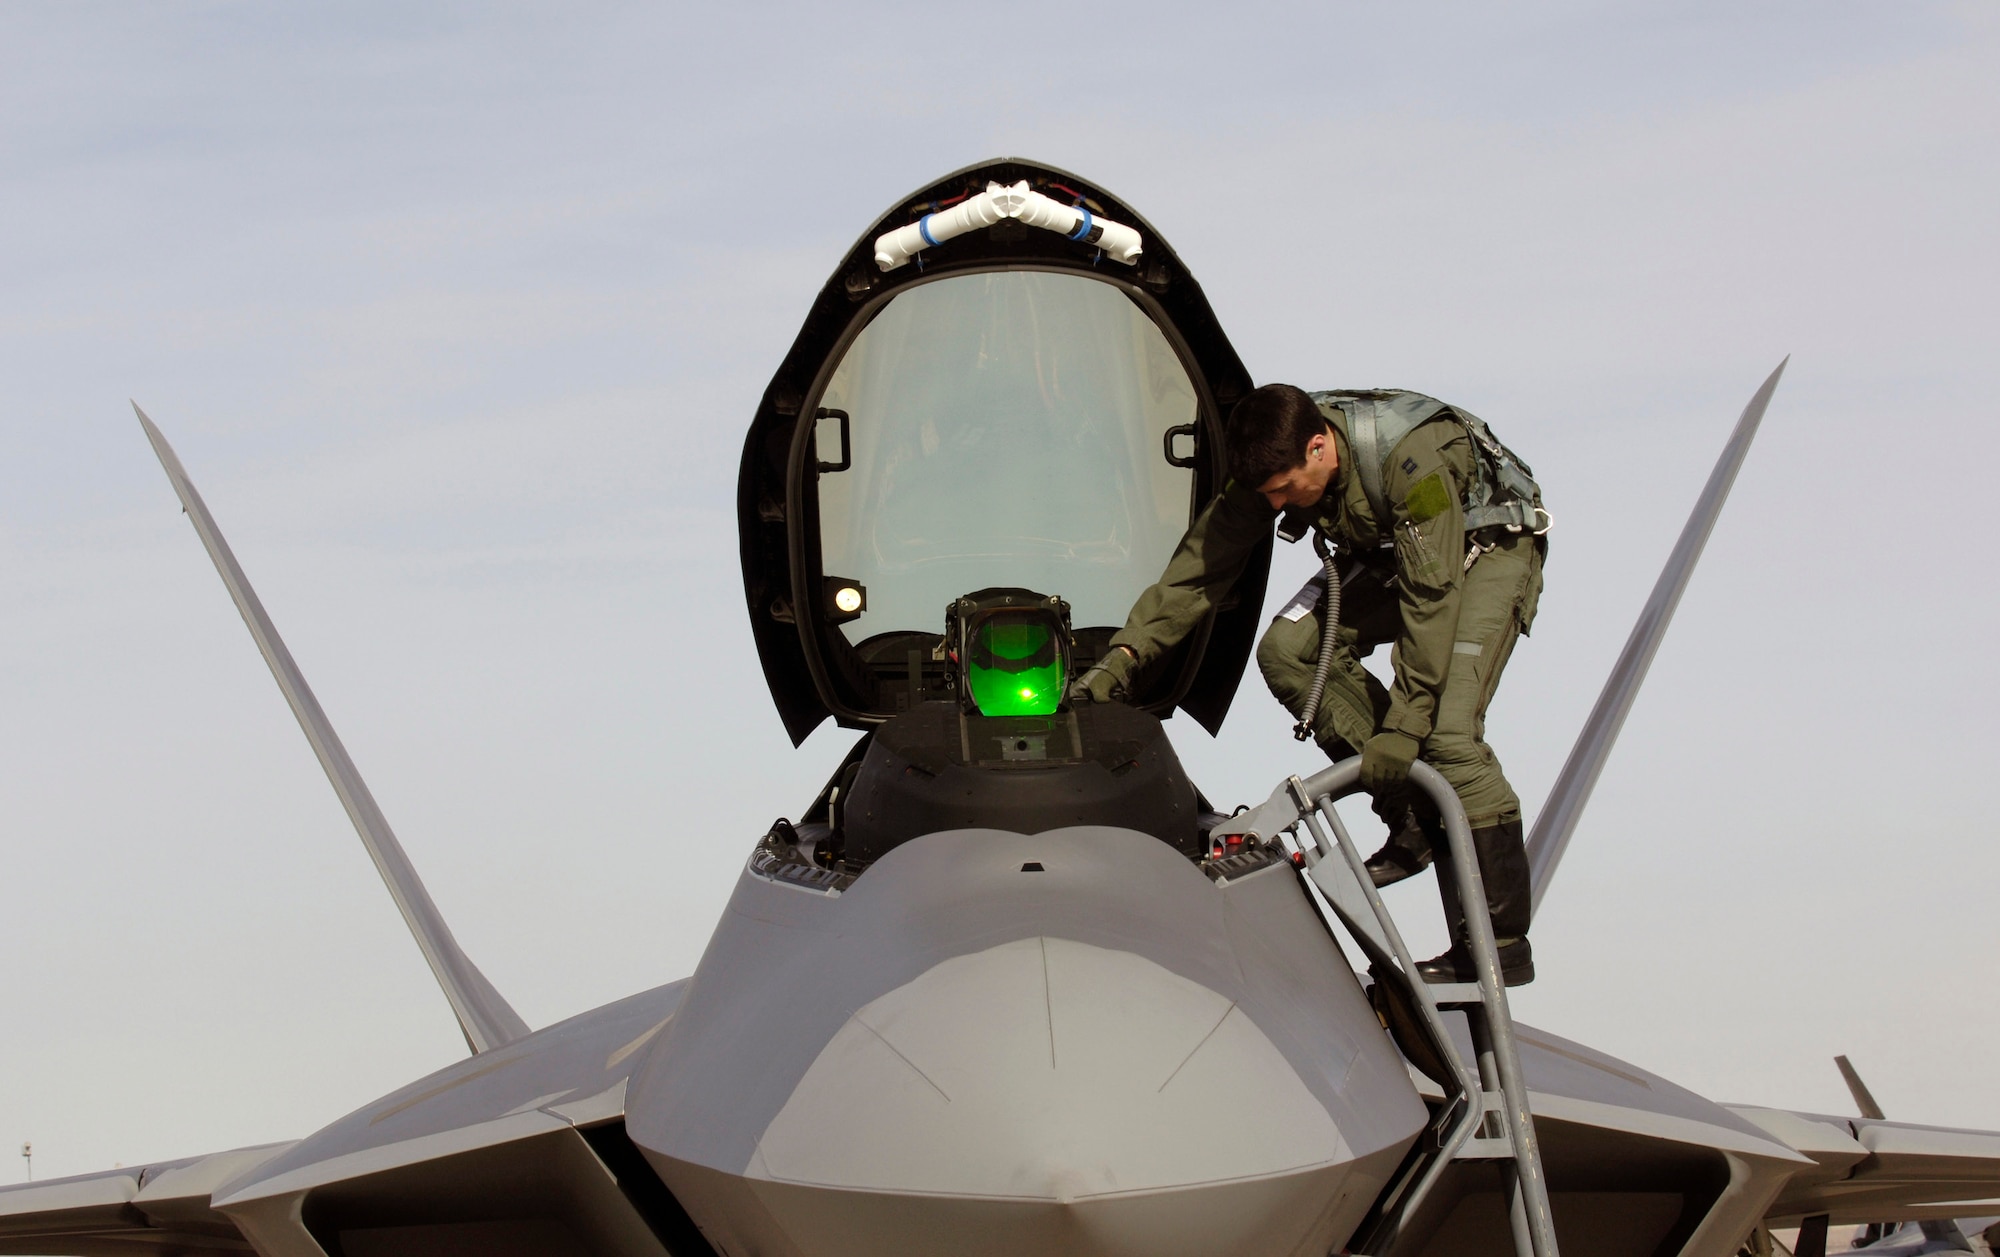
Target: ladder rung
[
  {"x": 1454, "y": 994},
  {"x": 1500, "y": 1149}
]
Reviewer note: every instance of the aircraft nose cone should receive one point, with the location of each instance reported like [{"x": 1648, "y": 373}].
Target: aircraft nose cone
[{"x": 1051, "y": 1096}]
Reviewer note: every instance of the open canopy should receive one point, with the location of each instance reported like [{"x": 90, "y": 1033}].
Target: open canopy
[{"x": 1013, "y": 406}]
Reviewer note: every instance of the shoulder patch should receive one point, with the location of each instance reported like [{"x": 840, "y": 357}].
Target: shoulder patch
[
  {"x": 1427, "y": 499},
  {"x": 1409, "y": 466}
]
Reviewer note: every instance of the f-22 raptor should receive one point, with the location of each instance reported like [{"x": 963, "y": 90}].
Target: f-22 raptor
[{"x": 1010, "y": 984}]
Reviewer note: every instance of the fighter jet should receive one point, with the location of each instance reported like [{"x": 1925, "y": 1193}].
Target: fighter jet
[{"x": 1011, "y": 984}]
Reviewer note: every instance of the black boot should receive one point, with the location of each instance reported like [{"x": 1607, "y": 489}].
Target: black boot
[
  {"x": 1503, "y": 868},
  {"x": 1408, "y": 851},
  {"x": 1517, "y": 964}
]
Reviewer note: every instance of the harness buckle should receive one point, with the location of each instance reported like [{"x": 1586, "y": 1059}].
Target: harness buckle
[{"x": 1473, "y": 550}]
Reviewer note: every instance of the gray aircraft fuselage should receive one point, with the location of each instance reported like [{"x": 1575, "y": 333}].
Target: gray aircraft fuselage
[{"x": 1072, "y": 1041}]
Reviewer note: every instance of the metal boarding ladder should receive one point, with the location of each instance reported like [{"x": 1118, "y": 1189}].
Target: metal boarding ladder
[{"x": 1485, "y": 1113}]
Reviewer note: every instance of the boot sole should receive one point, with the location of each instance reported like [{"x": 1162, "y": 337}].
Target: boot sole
[
  {"x": 1519, "y": 975},
  {"x": 1388, "y": 873}
]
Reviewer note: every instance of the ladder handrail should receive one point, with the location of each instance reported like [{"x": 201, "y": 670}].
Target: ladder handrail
[
  {"x": 1338, "y": 883},
  {"x": 1312, "y": 806},
  {"x": 1532, "y": 1189}
]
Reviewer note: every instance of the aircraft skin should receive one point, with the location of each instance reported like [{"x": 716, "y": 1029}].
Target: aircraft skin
[{"x": 1031, "y": 1028}]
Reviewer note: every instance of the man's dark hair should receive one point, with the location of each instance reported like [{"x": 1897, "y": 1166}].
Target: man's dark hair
[{"x": 1268, "y": 433}]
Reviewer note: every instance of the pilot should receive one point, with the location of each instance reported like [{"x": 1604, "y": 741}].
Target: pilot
[{"x": 1440, "y": 546}]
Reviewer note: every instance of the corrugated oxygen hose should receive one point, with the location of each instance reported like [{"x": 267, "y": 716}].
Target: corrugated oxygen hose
[{"x": 1329, "y": 624}]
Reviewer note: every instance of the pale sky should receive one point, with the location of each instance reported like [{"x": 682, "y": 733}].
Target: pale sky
[{"x": 458, "y": 319}]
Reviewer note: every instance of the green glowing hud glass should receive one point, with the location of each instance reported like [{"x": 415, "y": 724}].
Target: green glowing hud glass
[{"x": 1014, "y": 663}]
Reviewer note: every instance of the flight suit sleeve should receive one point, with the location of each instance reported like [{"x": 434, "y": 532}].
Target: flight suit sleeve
[
  {"x": 1426, "y": 481},
  {"x": 1204, "y": 567}
]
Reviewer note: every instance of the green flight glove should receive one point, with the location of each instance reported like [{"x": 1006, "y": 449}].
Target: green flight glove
[
  {"x": 1104, "y": 681},
  {"x": 1385, "y": 762}
]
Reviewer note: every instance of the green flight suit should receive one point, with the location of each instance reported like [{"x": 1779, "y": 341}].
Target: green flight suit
[{"x": 1451, "y": 628}]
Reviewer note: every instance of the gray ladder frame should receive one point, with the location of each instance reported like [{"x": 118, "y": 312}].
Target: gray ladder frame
[{"x": 1486, "y": 1117}]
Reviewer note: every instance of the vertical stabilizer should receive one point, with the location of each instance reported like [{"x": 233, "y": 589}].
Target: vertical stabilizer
[
  {"x": 1864, "y": 1099},
  {"x": 485, "y": 1017},
  {"x": 1593, "y": 746}
]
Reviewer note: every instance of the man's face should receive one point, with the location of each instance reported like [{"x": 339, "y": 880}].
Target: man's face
[{"x": 1306, "y": 483}]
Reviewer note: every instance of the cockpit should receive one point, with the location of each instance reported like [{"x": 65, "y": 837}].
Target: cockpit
[{"x": 964, "y": 474}]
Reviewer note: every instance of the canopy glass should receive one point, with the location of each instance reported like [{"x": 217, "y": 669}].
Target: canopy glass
[{"x": 1006, "y": 428}]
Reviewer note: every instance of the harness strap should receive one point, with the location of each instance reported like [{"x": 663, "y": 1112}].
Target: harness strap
[
  {"x": 1502, "y": 494},
  {"x": 1369, "y": 456},
  {"x": 1515, "y": 516}
]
